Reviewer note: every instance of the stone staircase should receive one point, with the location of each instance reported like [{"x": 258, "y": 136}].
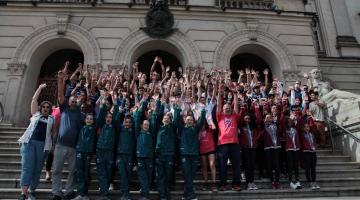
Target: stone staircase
[{"x": 337, "y": 175}]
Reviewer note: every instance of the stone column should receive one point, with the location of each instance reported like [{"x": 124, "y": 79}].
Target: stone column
[
  {"x": 15, "y": 76},
  {"x": 346, "y": 43}
]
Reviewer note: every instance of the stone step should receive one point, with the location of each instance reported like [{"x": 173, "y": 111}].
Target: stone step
[
  {"x": 320, "y": 159},
  {"x": 339, "y": 173},
  {"x": 11, "y": 133},
  {"x": 216, "y": 195},
  {"x": 179, "y": 184}
]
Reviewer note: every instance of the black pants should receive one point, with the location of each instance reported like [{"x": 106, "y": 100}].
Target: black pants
[
  {"x": 250, "y": 156},
  {"x": 310, "y": 166},
  {"x": 292, "y": 158},
  {"x": 49, "y": 160},
  {"x": 272, "y": 160},
  {"x": 224, "y": 152}
]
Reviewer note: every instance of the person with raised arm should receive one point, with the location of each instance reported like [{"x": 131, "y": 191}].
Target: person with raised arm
[{"x": 36, "y": 142}]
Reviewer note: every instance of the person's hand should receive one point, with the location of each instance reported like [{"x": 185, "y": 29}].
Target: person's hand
[
  {"x": 291, "y": 87},
  {"x": 135, "y": 65},
  {"x": 160, "y": 60},
  {"x": 247, "y": 71},
  {"x": 168, "y": 69},
  {"x": 240, "y": 72},
  {"x": 266, "y": 71},
  {"x": 66, "y": 65},
  {"x": 306, "y": 76},
  {"x": 198, "y": 84},
  {"x": 42, "y": 86},
  {"x": 61, "y": 74}
]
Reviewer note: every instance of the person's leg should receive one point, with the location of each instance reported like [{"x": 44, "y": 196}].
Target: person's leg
[
  {"x": 142, "y": 176},
  {"x": 71, "y": 159},
  {"x": 204, "y": 168},
  {"x": 149, "y": 170},
  {"x": 101, "y": 172},
  {"x": 313, "y": 166},
  {"x": 169, "y": 168},
  {"x": 246, "y": 152},
  {"x": 289, "y": 159},
  {"x": 320, "y": 127},
  {"x": 269, "y": 162},
  {"x": 87, "y": 165},
  {"x": 27, "y": 152},
  {"x": 160, "y": 175},
  {"x": 212, "y": 167},
  {"x": 80, "y": 172},
  {"x": 296, "y": 165},
  {"x": 49, "y": 161},
  {"x": 223, "y": 155},
  {"x": 40, "y": 157},
  {"x": 235, "y": 161},
  {"x": 186, "y": 165},
  {"x": 109, "y": 166},
  {"x": 58, "y": 164},
  {"x": 276, "y": 167},
  {"x": 252, "y": 164},
  {"x": 307, "y": 160}
]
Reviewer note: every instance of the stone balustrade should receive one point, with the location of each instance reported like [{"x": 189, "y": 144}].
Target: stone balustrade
[
  {"x": 170, "y": 2},
  {"x": 246, "y": 4}
]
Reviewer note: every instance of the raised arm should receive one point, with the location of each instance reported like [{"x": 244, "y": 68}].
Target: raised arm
[
  {"x": 61, "y": 87},
  {"x": 220, "y": 101},
  {"x": 34, "y": 101}
]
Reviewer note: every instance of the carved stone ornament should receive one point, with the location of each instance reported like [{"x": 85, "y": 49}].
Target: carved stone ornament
[
  {"x": 291, "y": 75},
  {"x": 159, "y": 21},
  {"x": 16, "y": 69},
  {"x": 62, "y": 22}
]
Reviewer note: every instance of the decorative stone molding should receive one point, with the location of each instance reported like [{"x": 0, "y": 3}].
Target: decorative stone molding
[
  {"x": 62, "y": 22},
  {"x": 346, "y": 41},
  {"x": 232, "y": 42},
  {"x": 83, "y": 38},
  {"x": 126, "y": 49},
  {"x": 16, "y": 69},
  {"x": 291, "y": 76}
]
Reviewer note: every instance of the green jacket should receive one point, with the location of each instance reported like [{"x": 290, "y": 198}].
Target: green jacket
[
  {"x": 108, "y": 132},
  {"x": 166, "y": 136},
  {"x": 189, "y": 136}
]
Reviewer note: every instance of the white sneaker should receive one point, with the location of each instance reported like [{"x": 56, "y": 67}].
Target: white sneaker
[
  {"x": 111, "y": 187},
  {"x": 312, "y": 186},
  {"x": 316, "y": 185},
  {"x": 292, "y": 185},
  {"x": 85, "y": 198},
  {"x": 298, "y": 185},
  {"x": 254, "y": 186},
  {"x": 243, "y": 176},
  {"x": 78, "y": 198},
  {"x": 249, "y": 187}
]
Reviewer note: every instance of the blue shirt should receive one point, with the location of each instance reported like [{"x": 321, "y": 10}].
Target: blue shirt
[
  {"x": 70, "y": 124},
  {"x": 40, "y": 130}
]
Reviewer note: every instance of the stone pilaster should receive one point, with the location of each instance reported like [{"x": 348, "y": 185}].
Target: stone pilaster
[
  {"x": 16, "y": 72},
  {"x": 346, "y": 43}
]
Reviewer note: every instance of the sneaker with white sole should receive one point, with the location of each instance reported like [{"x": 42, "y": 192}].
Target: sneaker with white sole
[
  {"x": 298, "y": 185},
  {"x": 249, "y": 186},
  {"x": 292, "y": 185},
  {"x": 317, "y": 186},
  {"x": 79, "y": 197},
  {"x": 111, "y": 187},
  {"x": 254, "y": 186}
]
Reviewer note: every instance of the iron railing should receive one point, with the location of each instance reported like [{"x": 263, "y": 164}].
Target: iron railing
[{"x": 340, "y": 130}]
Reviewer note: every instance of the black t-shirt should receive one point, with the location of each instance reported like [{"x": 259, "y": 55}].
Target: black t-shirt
[{"x": 40, "y": 129}]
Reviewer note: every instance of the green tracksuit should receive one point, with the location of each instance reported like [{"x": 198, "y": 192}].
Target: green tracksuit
[
  {"x": 189, "y": 150},
  {"x": 104, "y": 152}
]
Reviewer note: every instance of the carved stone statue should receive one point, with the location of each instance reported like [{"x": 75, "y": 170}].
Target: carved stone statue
[
  {"x": 318, "y": 84},
  {"x": 341, "y": 105}
]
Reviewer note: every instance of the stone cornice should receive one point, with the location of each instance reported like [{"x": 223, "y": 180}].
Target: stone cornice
[{"x": 16, "y": 69}]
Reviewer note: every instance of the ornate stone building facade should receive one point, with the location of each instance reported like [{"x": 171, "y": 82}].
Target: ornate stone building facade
[{"x": 290, "y": 36}]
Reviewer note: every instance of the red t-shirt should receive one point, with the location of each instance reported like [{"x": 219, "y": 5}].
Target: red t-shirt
[
  {"x": 228, "y": 131},
  {"x": 207, "y": 143}
]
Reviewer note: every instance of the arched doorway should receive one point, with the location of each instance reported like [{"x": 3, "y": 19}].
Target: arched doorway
[
  {"x": 247, "y": 60},
  {"x": 147, "y": 59},
  {"x": 52, "y": 64}
]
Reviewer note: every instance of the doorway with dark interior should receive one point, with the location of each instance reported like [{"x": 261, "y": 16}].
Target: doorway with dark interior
[{"x": 52, "y": 64}]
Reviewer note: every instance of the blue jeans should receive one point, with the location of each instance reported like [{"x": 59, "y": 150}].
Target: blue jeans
[
  {"x": 224, "y": 152},
  {"x": 32, "y": 162},
  {"x": 124, "y": 164},
  {"x": 189, "y": 164}
]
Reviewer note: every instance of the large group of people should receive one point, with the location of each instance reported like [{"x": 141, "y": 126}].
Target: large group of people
[{"x": 156, "y": 122}]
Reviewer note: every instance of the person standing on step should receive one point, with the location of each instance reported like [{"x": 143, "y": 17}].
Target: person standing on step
[
  {"x": 316, "y": 108},
  {"x": 84, "y": 151},
  {"x": 57, "y": 115},
  {"x": 228, "y": 141},
  {"x": 70, "y": 125},
  {"x": 272, "y": 147},
  {"x": 292, "y": 146},
  {"x": 308, "y": 148},
  {"x": 249, "y": 137},
  {"x": 189, "y": 148},
  {"x": 144, "y": 150},
  {"x": 36, "y": 142},
  {"x": 105, "y": 144}
]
